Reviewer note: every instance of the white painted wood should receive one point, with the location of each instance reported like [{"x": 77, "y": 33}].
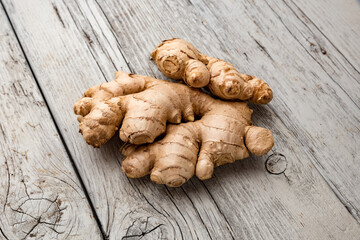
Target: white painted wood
[
  {"x": 41, "y": 197},
  {"x": 125, "y": 207},
  {"x": 316, "y": 87},
  {"x": 339, "y": 22},
  {"x": 242, "y": 200}
]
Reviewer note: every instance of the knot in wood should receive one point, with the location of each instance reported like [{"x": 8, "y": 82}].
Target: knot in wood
[
  {"x": 37, "y": 216},
  {"x": 276, "y": 163},
  {"x": 147, "y": 227}
]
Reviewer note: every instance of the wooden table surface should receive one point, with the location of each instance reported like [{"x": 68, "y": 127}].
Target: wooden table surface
[{"x": 54, "y": 186}]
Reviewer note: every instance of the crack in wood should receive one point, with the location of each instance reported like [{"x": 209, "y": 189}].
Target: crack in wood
[
  {"x": 32, "y": 229},
  {"x": 101, "y": 46},
  {"x": 143, "y": 233},
  {"x": 197, "y": 212},
  {"x": 177, "y": 208},
  {"x": 21, "y": 89},
  {"x": 320, "y": 168},
  {"x": 116, "y": 38},
  {"x": 56, "y": 124},
  {"x": 9, "y": 183},
  {"x": 262, "y": 48},
  {"x": 63, "y": 181},
  {"x": 222, "y": 214},
  {"x": 311, "y": 55},
  {"x": 87, "y": 37},
  {"x": 317, "y": 28},
  {"x": 2, "y": 232},
  {"x": 142, "y": 194},
  {"x": 43, "y": 215},
  {"x": 58, "y": 15},
  {"x": 32, "y": 125},
  {"x": 96, "y": 36},
  {"x": 135, "y": 184}
]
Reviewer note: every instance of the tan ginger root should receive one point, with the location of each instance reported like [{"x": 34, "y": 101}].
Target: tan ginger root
[
  {"x": 144, "y": 105},
  {"x": 178, "y": 59}
]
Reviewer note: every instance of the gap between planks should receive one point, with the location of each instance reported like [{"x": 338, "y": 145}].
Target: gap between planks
[{"x": 56, "y": 126}]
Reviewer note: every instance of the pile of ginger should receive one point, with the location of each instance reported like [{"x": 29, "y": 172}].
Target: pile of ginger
[{"x": 172, "y": 130}]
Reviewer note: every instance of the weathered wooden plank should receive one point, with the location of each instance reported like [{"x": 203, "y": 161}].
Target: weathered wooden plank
[
  {"x": 324, "y": 53},
  {"x": 242, "y": 200},
  {"x": 41, "y": 197},
  {"x": 327, "y": 120},
  {"x": 338, "y": 21},
  {"x": 148, "y": 18},
  {"x": 65, "y": 53},
  {"x": 268, "y": 40},
  {"x": 340, "y": 137}
]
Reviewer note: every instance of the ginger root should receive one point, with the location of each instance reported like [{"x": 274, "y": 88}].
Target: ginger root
[
  {"x": 143, "y": 105},
  {"x": 178, "y": 59}
]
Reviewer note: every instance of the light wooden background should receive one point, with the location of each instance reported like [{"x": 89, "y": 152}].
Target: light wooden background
[{"x": 54, "y": 186}]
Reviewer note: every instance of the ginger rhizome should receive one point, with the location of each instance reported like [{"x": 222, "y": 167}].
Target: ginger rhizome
[
  {"x": 178, "y": 59},
  {"x": 143, "y": 106}
]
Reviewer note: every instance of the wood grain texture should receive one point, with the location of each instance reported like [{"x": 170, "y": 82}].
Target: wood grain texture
[
  {"x": 74, "y": 45},
  {"x": 41, "y": 197},
  {"x": 338, "y": 21},
  {"x": 316, "y": 87},
  {"x": 126, "y": 208}
]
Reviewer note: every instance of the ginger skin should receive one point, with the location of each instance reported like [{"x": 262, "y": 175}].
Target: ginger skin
[
  {"x": 143, "y": 105},
  {"x": 178, "y": 59}
]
